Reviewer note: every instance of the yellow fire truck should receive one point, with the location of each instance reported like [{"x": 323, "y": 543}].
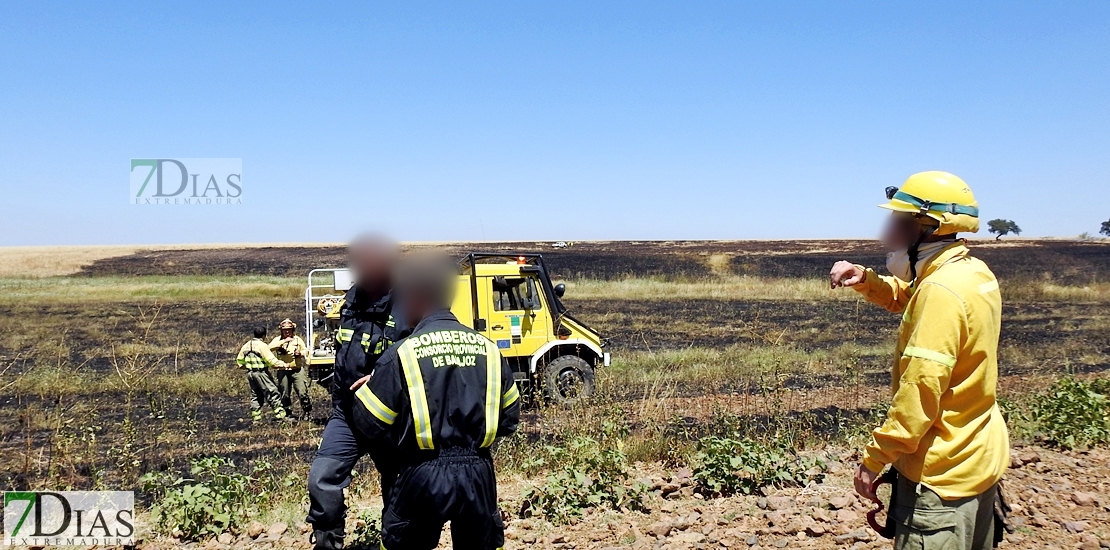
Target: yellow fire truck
[{"x": 508, "y": 298}]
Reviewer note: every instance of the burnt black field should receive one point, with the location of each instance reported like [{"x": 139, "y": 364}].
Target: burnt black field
[
  {"x": 628, "y": 324},
  {"x": 1039, "y": 339},
  {"x": 1062, "y": 262}
]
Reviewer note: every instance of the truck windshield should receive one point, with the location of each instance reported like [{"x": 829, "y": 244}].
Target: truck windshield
[{"x": 509, "y": 294}]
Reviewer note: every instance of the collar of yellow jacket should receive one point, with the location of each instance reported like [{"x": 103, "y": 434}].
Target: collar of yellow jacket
[{"x": 955, "y": 251}]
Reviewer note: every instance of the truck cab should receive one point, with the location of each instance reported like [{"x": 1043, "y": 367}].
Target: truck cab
[{"x": 510, "y": 299}]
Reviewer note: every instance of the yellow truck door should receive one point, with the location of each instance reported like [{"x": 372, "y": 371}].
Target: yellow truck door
[{"x": 517, "y": 329}]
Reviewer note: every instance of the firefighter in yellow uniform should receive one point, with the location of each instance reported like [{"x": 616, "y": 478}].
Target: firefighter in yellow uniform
[
  {"x": 255, "y": 356},
  {"x": 293, "y": 379},
  {"x": 943, "y": 434}
]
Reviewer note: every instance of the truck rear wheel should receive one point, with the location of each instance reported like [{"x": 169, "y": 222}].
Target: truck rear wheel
[{"x": 568, "y": 379}]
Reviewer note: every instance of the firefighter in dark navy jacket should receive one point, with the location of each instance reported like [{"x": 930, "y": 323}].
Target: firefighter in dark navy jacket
[
  {"x": 438, "y": 400},
  {"x": 367, "y": 328}
]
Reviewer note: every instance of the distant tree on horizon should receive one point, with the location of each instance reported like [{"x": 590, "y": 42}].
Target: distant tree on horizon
[
  {"x": 1105, "y": 228},
  {"x": 1003, "y": 227}
]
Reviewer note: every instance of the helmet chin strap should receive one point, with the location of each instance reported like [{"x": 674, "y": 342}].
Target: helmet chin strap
[{"x": 926, "y": 232}]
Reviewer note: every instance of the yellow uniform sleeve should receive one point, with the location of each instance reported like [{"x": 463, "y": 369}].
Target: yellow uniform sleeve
[
  {"x": 938, "y": 324},
  {"x": 270, "y": 359},
  {"x": 241, "y": 359},
  {"x": 887, "y": 292},
  {"x": 275, "y": 343}
]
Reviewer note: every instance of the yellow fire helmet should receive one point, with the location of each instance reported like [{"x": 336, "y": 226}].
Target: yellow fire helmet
[
  {"x": 287, "y": 324},
  {"x": 938, "y": 195}
]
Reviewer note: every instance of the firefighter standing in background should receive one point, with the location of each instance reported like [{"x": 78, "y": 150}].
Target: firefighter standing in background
[
  {"x": 367, "y": 328},
  {"x": 290, "y": 348},
  {"x": 437, "y": 402},
  {"x": 256, "y": 357},
  {"x": 944, "y": 433}
]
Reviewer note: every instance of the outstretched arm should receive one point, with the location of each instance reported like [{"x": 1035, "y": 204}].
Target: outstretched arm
[
  {"x": 270, "y": 359},
  {"x": 890, "y": 293}
]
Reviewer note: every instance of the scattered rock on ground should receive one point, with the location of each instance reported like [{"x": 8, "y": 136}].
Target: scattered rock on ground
[
  {"x": 1083, "y": 499},
  {"x": 659, "y": 529},
  {"x": 1059, "y": 500},
  {"x": 1075, "y": 526},
  {"x": 840, "y": 502},
  {"x": 254, "y": 529},
  {"x": 779, "y": 502}
]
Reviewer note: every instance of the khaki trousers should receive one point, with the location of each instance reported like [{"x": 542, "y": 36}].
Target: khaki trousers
[
  {"x": 924, "y": 521},
  {"x": 293, "y": 382}
]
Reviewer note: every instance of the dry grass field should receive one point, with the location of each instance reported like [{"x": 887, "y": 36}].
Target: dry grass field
[{"x": 118, "y": 361}]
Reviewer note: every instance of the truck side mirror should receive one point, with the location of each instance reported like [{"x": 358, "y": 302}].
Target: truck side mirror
[
  {"x": 560, "y": 289},
  {"x": 531, "y": 299}
]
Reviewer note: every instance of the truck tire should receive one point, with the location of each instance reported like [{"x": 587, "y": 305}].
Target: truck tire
[{"x": 568, "y": 379}]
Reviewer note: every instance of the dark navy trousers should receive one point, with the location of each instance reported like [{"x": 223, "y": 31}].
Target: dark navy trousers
[{"x": 340, "y": 449}]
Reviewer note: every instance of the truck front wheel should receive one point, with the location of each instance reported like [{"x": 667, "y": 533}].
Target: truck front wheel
[{"x": 568, "y": 379}]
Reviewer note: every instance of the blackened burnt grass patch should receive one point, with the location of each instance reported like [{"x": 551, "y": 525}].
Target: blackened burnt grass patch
[{"x": 751, "y": 361}]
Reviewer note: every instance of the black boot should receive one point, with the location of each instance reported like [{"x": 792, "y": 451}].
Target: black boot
[{"x": 327, "y": 540}]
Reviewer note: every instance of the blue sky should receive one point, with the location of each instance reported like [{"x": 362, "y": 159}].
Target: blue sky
[{"x": 557, "y": 120}]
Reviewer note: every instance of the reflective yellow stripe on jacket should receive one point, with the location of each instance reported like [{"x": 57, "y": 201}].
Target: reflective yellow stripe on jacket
[
  {"x": 493, "y": 392},
  {"x": 935, "y": 356},
  {"x": 510, "y": 396},
  {"x": 344, "y": 335},
  {"x": 375, "y": 405},
  {"x": 421, "y": 416}
]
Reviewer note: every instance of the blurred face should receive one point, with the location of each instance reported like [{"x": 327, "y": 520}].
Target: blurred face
[
  {"x": 424, "y": 284},
  {"x": 414, "y": 308},
  {"x": 371, "y": 261},
  {"x": 900, "y": 231},
  {"x": 286, "y": 333}
]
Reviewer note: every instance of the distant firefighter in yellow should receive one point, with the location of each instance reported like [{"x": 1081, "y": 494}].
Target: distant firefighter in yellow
[
  {"x": 255, "y": 356},
  {"x": 293, "y": 379},
  {"x": 944, "y": 435}
]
